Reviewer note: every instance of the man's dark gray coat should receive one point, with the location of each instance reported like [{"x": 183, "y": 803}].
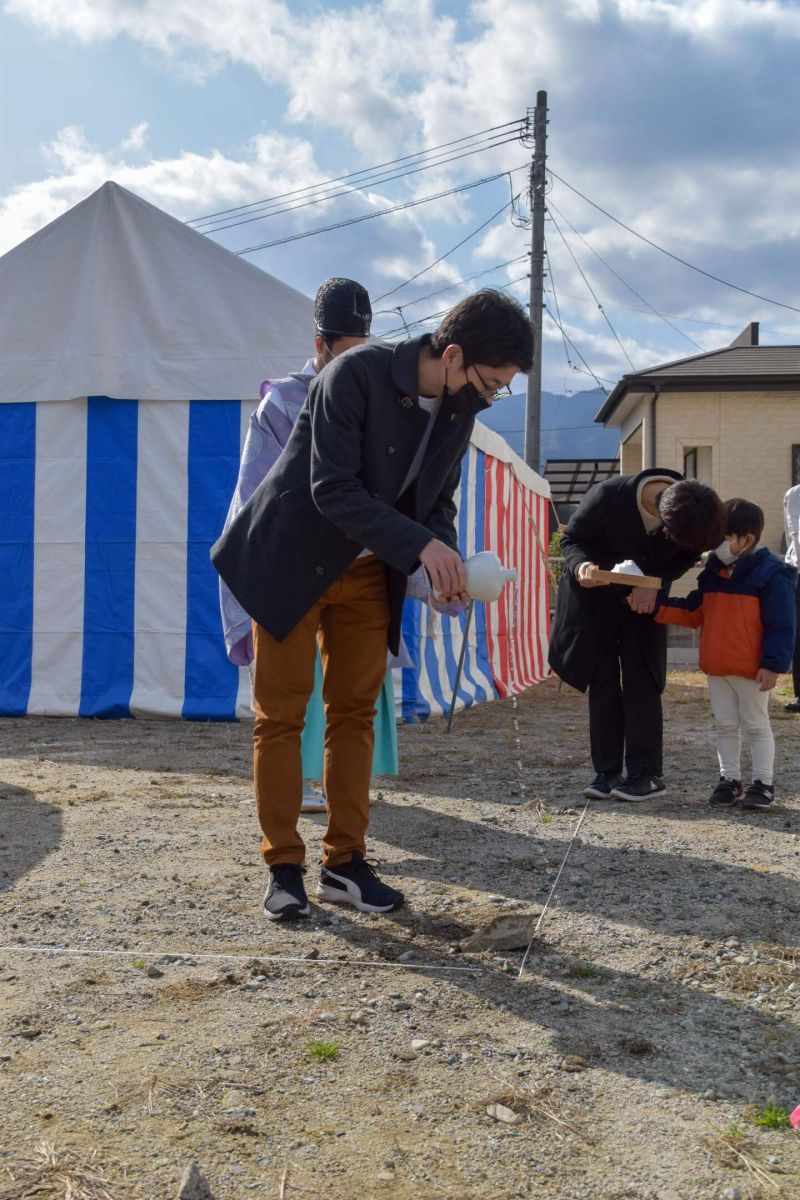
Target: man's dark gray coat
[
  {"x": 335, "y": 490},
  {"x": 605, "y": 529}
]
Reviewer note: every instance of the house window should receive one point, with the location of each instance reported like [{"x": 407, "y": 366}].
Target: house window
[
  {"x": 697, "y": 463},
  {"x": 795, "y": 465}
]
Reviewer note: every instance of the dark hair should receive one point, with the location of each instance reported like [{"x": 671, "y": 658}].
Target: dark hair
[
  {"x": 490, "y": 328},
  {"x": 693, "y": 515},
  {"x": 743, "y": 516}
]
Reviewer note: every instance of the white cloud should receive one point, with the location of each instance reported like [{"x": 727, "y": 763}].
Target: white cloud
[
  {"x": 662, "y": 110},
  {"x": 137, "y": 138}
]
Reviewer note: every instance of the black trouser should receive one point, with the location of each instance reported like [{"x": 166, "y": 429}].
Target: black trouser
[
  {"x": 796, "y": 660},
  {"x": 625, "y": 720}
]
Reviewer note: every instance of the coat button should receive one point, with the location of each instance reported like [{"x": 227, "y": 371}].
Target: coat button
[
  {"x": 390, "y": 449},
  {"x": 319, "y": 570}
]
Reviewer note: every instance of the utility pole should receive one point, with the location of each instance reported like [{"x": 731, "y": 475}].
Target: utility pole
[{"x": 533, "y": 394}]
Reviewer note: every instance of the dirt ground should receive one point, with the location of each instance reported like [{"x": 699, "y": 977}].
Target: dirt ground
[{"x": 658, "y": 1016}]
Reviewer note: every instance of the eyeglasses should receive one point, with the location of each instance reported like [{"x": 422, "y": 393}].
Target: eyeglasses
[{"x": 490, "y": 393}]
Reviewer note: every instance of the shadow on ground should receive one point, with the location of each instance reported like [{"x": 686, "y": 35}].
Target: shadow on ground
[{"x": 30, "y": 829}]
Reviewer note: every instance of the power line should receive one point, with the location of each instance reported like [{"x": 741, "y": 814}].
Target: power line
[
  {"x": 276, "y": 210},
  {"x": 382, "y": 212},
  {"x": 452, "y": 286},
  {"x": 352, "y": 174},
  {"x": 617, "y": 275},
  {"x": 606, "y": 317},
  {"x": 457, "y": 246},
  {"x": 676, "y": 258},
  {"x": 674, "y": 316},
  {"x": 549, "y": 262},
  {"x": 432, "y": 316},
  {"x": 597, "y": 378}
]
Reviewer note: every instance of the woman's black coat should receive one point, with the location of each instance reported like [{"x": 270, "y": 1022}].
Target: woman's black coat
[{"x": 606, "y": 528}]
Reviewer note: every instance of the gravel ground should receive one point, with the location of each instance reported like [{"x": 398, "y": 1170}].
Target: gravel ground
[{"x": 659, "y": 1011}]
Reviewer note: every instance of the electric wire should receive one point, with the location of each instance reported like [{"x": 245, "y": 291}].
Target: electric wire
[
  {"x": 434, "y": 316},
  {"x": 353, "y": 174},
  {"x": 350, "y": 190},
  {"x": 585, "y": 279},
  {"x": 452, "y": 249},
  {"x": 384, "y": 212},
  {"x": 676, "y": 257},
  {"x": 552, "y": 207},
  {"x": 549, "y": 262},
  {"x": 450, "y": 287},
  {"x": 597, "y": 378}
]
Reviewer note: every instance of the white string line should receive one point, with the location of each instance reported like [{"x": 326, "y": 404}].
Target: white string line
[
  {"x": 552, "y": 890},
  {"x": 137, "y": 952}
]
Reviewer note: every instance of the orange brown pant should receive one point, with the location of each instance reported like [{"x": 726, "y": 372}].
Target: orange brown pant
[{"x": 351, "y": 620}]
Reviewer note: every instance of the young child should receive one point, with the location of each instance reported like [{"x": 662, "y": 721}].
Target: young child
[{"x": 744, "y": 607}]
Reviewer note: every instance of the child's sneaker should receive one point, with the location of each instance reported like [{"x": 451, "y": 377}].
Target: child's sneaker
[
  {"x": 726, "y": 793},
  {"x": 758, "y": 795}
]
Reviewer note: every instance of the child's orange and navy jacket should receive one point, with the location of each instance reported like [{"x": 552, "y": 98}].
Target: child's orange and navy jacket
[{"x": 746, "y": 614}]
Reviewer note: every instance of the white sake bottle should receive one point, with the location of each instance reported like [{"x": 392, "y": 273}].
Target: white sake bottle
[{"x": 486, "y": 576}]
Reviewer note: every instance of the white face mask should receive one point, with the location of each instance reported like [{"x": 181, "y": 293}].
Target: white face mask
[{"x": 725, "y": 553}]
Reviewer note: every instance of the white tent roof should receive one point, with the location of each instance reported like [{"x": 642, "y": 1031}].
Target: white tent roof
[{"x": 116, "y": 298}]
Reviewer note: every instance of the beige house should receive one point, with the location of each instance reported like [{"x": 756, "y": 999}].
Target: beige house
[{"x": 730, "y": 418}]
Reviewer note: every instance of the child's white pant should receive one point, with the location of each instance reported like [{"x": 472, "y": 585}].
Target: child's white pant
[{"x": 738, "y": 705}]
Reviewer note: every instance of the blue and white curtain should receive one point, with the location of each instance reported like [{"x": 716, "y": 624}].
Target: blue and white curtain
[{"x": 108, "y": 601}]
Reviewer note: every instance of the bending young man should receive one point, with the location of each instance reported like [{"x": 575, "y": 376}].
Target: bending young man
[
  {"x": 362, "y": 493},
  {"x": 603, "y": 636},
  {"x": 342, "y": 318}
]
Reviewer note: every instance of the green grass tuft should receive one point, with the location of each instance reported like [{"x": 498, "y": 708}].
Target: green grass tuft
[
  {"x": 770, "y": 1116},
  {"x": 139, "y": 964},
  {"x": 324, "y": 1051}
]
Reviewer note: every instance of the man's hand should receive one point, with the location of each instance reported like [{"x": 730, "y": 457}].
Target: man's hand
[
  {"x": 445, "y": 570},
  {"x": 583, "y": 578},
  {"x": 766, "y": 680},
  {"x": 642, "y": 600}
]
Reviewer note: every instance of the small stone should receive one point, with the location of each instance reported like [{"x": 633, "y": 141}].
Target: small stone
[
  {"x": 361, "y": 1017},
  {"x": 400, "y": 1006},
  {"x": 511, "y": 931},
  {"x": 385, "y": 1176},
  {"x": 313, "y": 953},
  {"x": 152, "y": 972},
  {"x": 731, "y": 1193},
  {"x": 499, "y": 1112},
  {"x": 420, "y": 1044},
  {"x": 243, "y": 1114},
  {"x": 404, "y": 1055},
  {"x": 328, "y": 1017},
  {"x": 194, "y": 1185},
  {"x": 406, "y": 956}
]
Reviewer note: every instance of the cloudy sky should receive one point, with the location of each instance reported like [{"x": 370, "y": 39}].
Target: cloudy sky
[{"x": 679, "y": 117}]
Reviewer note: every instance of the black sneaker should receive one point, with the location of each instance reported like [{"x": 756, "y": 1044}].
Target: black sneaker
[
  {"x": 286, "y": 898},
  {"x": 793, "y": 705},
  {"x": 356, "y": 883},
  {"x": 726, "y": 793},
  {"x": 758, "y": 795},
  {"x": 639, "y": 787},
  {"x": 602, "y": 785}
]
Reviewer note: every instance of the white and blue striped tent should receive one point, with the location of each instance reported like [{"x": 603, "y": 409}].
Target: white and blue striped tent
[{"x": 132, "y": 352}]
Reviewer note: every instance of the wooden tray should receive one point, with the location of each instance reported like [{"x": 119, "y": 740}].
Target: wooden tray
[{"x": 645, "y": 581}]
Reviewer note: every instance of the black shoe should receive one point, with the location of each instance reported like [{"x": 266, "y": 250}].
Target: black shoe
[
  {"x": 726, "y": 793},
  {"x": 602, "y": 785},
  {"x": 356, "y": 883},
  {"x": 286, "y": 898},
  {"x": 639, "y": 787},
  {"x": 758, "y": 795},
  {"x": 793, "y": 705}
]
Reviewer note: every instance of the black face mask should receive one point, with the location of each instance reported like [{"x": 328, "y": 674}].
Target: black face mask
[{"x": 466, "y": 400}]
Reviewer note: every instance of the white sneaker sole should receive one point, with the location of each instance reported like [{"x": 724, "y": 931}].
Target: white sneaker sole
[
  {"x": 352, "y": 896},
  {"x": 297, "y": 912},
  {"x": 595, "y": 794},
  {"x": 619, "y": 795}
]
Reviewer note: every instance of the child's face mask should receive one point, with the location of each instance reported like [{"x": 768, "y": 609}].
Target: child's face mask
[{"x": 732, "y": 548}]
